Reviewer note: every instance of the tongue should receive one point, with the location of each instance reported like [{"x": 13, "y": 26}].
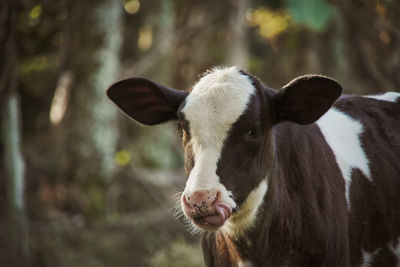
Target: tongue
[
  {"x": 223, "y": 210},
  {"x": 214, "y": 220}
]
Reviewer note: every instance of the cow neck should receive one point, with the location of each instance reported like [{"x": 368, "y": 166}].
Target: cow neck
[{"x": 288, "y": 200}]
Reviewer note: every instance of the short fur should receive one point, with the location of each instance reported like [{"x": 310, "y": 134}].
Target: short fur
[{"x": 300, "y": 199}]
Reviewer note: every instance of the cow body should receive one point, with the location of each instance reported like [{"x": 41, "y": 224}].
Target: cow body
[
  {"x": 270, "y": 181},
  {"x": 305, "y": 220}
]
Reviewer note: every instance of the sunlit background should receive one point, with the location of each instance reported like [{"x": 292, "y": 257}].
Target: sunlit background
[{"x": 81, "y": 184}]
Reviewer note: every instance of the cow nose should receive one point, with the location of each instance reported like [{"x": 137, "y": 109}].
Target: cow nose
[
  {"x": 205, "y": 208},
  {"x": 202, "y": 199}
]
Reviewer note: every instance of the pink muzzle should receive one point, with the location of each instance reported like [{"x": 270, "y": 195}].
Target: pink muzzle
[{"x": 205, "y": 208}]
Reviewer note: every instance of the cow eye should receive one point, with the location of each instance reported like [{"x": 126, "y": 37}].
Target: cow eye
[{"x": 252, "y": 134}]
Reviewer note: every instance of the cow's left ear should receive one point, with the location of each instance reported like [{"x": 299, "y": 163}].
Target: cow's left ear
[{"x": 305, "y": 99}]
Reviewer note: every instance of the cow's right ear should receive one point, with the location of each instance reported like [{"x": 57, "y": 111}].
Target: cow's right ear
[{"x": 145, "y": 101}]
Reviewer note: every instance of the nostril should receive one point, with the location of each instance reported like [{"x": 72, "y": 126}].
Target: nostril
[
  {"x": 201, "y": 199},
  {"x": 215, "y": 198},
  {"x": 185, "y": 200}
]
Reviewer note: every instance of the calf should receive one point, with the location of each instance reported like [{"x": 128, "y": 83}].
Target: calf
[{"x": 282, "y": 178}]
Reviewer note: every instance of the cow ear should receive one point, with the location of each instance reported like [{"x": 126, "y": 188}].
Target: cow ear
[
  {"x": 305, "y": 99},
  {"x": 145, "y": 101}
]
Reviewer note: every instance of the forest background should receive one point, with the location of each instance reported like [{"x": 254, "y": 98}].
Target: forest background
[{"x": 80, "y": 184}]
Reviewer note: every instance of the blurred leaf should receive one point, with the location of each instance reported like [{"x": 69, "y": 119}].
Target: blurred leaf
[
  {"x": 381, "y": 10},
  {"x": 36, "y": 12},
  {"x": 36, "y": 63},
  {"x": 313, "y": 13},
  {"x": 132, "y": 7},
  {"x": 270, "y": 22},
  {"x": 123, "y": 157},
  {"x": 145, "y": 38}
]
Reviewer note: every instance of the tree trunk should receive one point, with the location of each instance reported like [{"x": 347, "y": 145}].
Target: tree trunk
[
  {"x": 14, "y": 168},
  {"x": 16, "y": 229},
  {"x": 373, "y": 51},
  {"x": 104, "y": 131},
  {"x": 91, "y": 118},
  {"x": 237, "y": 47}
]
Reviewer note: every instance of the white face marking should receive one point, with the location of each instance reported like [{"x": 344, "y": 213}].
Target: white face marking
[
  {"x": 396, "y": 250},
  {"x": 215, "y": 103},
  {"x": 342, "y": 133},
  {"x": 389, "y": 96},
  {"x": 368, "y": 257},
  {"x": 245, "y": 217}
]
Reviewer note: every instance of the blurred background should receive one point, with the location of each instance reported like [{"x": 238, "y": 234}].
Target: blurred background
[{"x": 81, "y": 184}]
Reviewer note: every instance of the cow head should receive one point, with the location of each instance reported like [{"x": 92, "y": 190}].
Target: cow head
[{"x": 226, "y": 120}]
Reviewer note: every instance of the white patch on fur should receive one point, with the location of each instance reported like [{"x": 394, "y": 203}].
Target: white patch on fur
[
  {"x": 215, "y": 103},
  {"x": 243, "y": 219},
  {"x": 368, "y": 257},
  {"x": 389, "y": 96},
  {"x": 249, "y": 243},
  {"x": 396, "y": 250},
  {"x": 244, "y": 264},
  {"x": 342, "y": 133}
]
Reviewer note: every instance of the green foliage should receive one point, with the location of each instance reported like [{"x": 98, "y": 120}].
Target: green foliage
[
  {"x": 36, "y": 11},
  {"x": 179, "y": 253},
  {"x": 270, "y": 22},
  {"x": 315, "y": 14},
  {"x": 95, "y": 201},
  {"x": 156, "y": 147},
  {"x": 73, "y": 243}
]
